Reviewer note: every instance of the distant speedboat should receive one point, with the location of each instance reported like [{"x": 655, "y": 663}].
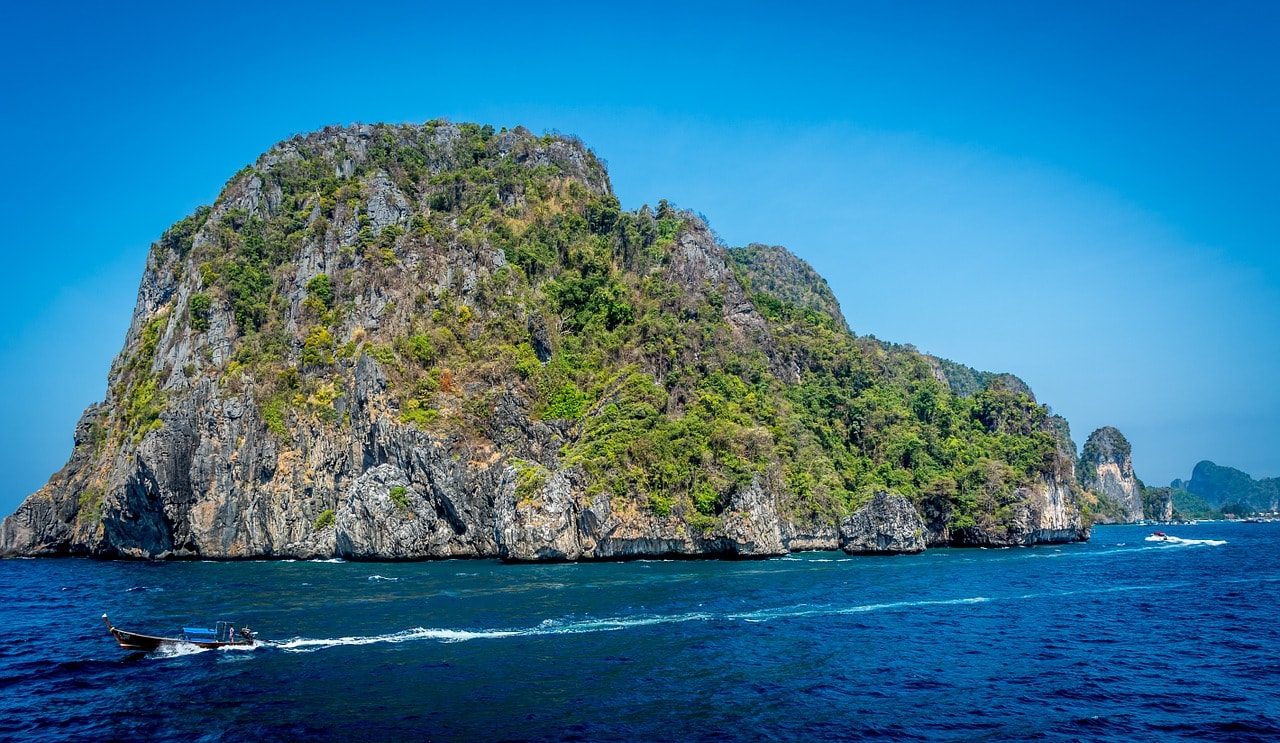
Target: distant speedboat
[
  {"x": 1159, "y": 536},
  {"x": 222, "y": 635}
]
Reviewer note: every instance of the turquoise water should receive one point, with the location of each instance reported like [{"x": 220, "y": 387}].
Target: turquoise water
[{"x": 1115, "y": 639}]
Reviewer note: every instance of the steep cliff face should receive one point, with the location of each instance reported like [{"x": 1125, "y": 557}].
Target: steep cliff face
[
  {"x": 446, "y": 341},
  {"x": 1106, "y": 469}
]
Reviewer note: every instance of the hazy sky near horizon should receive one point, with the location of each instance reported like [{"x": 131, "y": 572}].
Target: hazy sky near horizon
[{"x": 1084, "y": 194}]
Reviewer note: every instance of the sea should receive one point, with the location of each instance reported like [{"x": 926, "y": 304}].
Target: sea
[{"x": 1115, "y": 639}]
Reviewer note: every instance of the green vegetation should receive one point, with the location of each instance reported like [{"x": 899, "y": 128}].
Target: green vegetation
[
  {"x": 530, "y": 478},
  {"x": 143, "y": 406},
  {"x": 89, "y": 505},
  {"x": 319, "y": 293},
  {"x": 325, "y": 519},
  {"x": 273, "y": 414},
  {"x": 180, "y": 238},
  {"x": 1236, "y": 494},
  {"x": 1104, "y": 445},
  {"x": 198, "y": 308},
  {"x": 318, "y": 348},
  {"x": 774, "y": 272},
  {"x": 141, "y": 400},
  {"x": 399, "y": 495}
]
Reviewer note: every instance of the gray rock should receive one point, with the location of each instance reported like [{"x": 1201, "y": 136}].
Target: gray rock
[
  {"x": 544, "y": 527},
  {"x": 887, "y": 525},
  {"x": 751, "y": 522},
  {"x": 387, "y": 206},
  {"x": 370, "y": 524}
]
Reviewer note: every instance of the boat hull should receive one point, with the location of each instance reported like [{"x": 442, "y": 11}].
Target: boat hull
[{"x": 130, "y": 641}]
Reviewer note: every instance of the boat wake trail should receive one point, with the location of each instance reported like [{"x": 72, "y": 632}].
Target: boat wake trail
[
  {"x": 548, "y": 627},
  {"x": 1180, "y": 542},
  {"x": 577, "y": 626},
  {"x": 306, "y": 645},
  {"x": 828, "y": 611}
]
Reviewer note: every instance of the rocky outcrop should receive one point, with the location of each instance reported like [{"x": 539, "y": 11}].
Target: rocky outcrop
[
  {"x": 887, "y": 525},
  {"x": 552, "y": 526},
  {"x": 1106, "y": 469}
]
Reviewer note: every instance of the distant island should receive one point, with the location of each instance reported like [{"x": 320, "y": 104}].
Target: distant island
[
  {"x": 448, "y": 340},
  {"x": 1116, "y": 495},
  {"x": 1221, "y": 492}
]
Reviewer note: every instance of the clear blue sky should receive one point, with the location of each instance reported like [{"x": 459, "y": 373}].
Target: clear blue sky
[{"x": 1085, "y": 194}]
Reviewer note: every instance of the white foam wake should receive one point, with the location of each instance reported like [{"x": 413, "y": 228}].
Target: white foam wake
[
  {"x": 1178, "y": 541},
  {"x": 547, "y": 627},
  {"x": 573, "y": 625},
  {"x": 306, "y": 645},
  {"x": 827, "y": 611},
  {"x": 606, "y": 624},
  {"x": 181, "y": 649}
]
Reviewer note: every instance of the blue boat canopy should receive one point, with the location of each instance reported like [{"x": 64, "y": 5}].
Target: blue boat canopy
[{"x": 220, "y": 633}]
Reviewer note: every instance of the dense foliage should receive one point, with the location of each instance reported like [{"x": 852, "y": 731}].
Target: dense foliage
[{"x": 500, "y": 264}]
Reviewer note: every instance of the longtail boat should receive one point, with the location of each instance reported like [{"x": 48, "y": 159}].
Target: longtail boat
[{"x": 222, "y": 635}]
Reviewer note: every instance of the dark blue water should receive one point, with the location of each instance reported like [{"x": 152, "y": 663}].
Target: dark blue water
[{"x": 1117, "y": 639}]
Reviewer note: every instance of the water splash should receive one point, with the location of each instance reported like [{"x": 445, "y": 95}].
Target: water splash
[{"x": 177, "y": 650}]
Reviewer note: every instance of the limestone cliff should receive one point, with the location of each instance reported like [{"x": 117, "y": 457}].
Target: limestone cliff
[
  {"x": 1106, "y": 469},
  {"x": 409, "y": 342}
]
